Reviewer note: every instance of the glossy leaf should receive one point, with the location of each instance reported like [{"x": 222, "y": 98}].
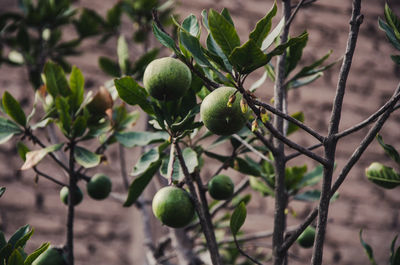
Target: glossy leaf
[
  {"x": 13, "y": 109},
  {"x": 7, "y": 129},
  {"x": 86, "y": 158},
  {"x": 384, "y": 176},
  {"x": 16, "y": 258},
  {"x": 31, "y": 257},
  {"x": 223, "y": 32},
  {"x": 389, "y": 33},
  {"x": 269, "y": 40},
  {"x": 190, "y": 157},
  {"x": 22, "y": 241},
  {"x": 192, "y": 44},
  {"x": 63, "y": 108},
  {"x": 393, "y": 21},
  {"x": 238, "y": 217},
  {"x": 131, "y": 139},
  {"x": 56, "y": 82},
  {"x": 2, "y": 190},
  {"x": 191, "y": 25},
  {"x": 133, "y": 94},
  {"x": 145, "y": 161},
  {"x": 20, "y": 233},
  {"x": 389, "y": 150},
  {"x": 294, "y": 54},
  {"x": 139, "y": 184},
  {"x": 304, "y": 80},
  {"x": 123, "y": 54},
  {"x": 79, "y": 126},
  {"x": 165, "y": 39},
  {"x": 292, "y": 127},
  {"x": 77, "y": 84},
  {"x": 225, "y": 13},
  {"x": 34, "y": 157},
  {"x": 109, "y": 66},
  {"x": 263, "y": 27},
  {"x": 368, "y": 249},
  {"x": 217, "y": 55}
]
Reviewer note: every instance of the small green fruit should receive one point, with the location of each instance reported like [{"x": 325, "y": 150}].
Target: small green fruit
[
  {"x": 99, "y": 187},
  {"x": 64, "y": 192},
  {"x": 167, "y": 79},
  {"x": 52, "y": 256},
  {"x": 221, "y": 187},
  {"x": 173, "y": 207},
  {"x": 306, "y": 239},
  {"x": 220, "y": 118}
]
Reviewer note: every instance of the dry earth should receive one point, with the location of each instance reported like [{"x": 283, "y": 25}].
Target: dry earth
[{"x": 107, "y": 233}]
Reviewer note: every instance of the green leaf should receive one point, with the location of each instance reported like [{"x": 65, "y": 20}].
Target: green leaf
[
  {"x": 259, "y": 82},
  {"x": 258, "y": 185},
  {"x": 56, "y": 82},
  {"x": 294, "y": 54},
  {"x": 389, "y": 33},
  {"x": 13, "y": 109},
  {"x": 368, "y": 249},
  {"x": 20, "y": 233},
  {"x": 165, "y": 39},
  {"x": 7, "y": 129},
  {"x": 63, "y": 108},
  {"x": 292, "y": 127},
  {"x": 395, "y": 58},
  {"x": 34, "y": 157},
  {"x": 16, "y": 258},
  {"x": 192, "y": 44},
  {"x": 293, "y": 175},
  {"x": 237, "y": 219},
  {"x": 77, "y": 84},
  {"x": 139, "y": 184},
  {"x": 31, "y": 257},
  {"x": 190, "y": 157},
  {"x": 381, "y": 175},
  {"x": 304, "y": 81},
  {"x": 109, "y": 66},
  {"x": 389, "y": 150},
  {"x": 86, "y": 158},
  {"x": 133, "y": 94},
  {"x": 223, "y": 32},
  {"x": 2, "y": 190},
  {"x": 217, "y": 55},
  {"x": 270, "y": 39},
  {"x": 131, "y": 139},
  {"x": 263, "y": 27},
  {"x": 248, "y": 57},
  {"x": 145, "y": 161},
  {"x": 171, "y": 170},
  {"x": 22, "y": 241},
  {"x": 141, "y": 63},
  {"x": 311, "y": 178},
  {"x": 393, "y": 21},
  {"x": 3, "y": 241},
  {"x": 312, "y": 68},
  {"x": 312, "y": 196},
  {"x": 79, "y": 126},
  {"x": 225, "y": 13},
  {"x": 5, "y": 252},
  {"x": 394, "y": 255},
  {"x": 191, "y": 25},
  {"x": 245, "y": 166},
  {"x": 123, "y": 54},
  {"x": 22, "y": 150}
]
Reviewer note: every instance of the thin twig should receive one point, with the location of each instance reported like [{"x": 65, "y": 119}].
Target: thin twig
[
  {"x": 254, "y": 236},
  {"x": 293, "y": 15},
  {"x": 296, "y": 154},
  {"x": 244, "y": 253},
  {"x": 40, "y": 173},
  {"x": 251, "y": 148}
]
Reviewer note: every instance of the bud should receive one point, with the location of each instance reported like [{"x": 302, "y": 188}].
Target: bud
[
  {"x": 243, "y": 105},
  {"x": 254, "y": 125},
  {"x": 231, "y": 100},
  {"x": 235, "y": 165},
  {"x": 264, "y": 115}
]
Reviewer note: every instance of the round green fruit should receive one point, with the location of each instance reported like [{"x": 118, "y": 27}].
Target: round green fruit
[
  {"x": 173, "y": 207},
  {"x": 99, "y": 187},
  {"x": 218, "y": 117},
  {"x": 64, "y": 193},
  {"x": 306, "y": 239},
  {"x": 167, "y": 79},
  {"x": 221, "y": 187},
  {"x": 52, "y": 256}
]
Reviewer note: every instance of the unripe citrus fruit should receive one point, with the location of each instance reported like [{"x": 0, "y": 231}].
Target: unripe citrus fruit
[
  {"x": 52, "y": 256},
  {"x": 99, "y": 187},
  {"x": 306, "y": 239},
  {"x": 173, "y": 207},
  {"x": 64, "y": 193},
  {"x": 167, "y": 79},
  {"x": 218, "y": 117},
  {"x": 221, "y": 187}
]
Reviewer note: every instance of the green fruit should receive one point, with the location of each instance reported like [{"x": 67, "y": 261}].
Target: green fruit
[
  {"x": 218, "y": 117},
  {"x": 99, "y": 187},
  {"x": 64, "y": 192},
  {"x": 173, "y": 207},
  {"x": 52, "y": 256},
  {"x": 306, "y": 239},
  {"x": 221, "y": 187},
  {"x": 167, "y": 79}
]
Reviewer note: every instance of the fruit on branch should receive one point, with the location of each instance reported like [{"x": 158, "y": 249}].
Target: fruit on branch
[
  {"x": 173, "y": 207},
  {"x": 64, "y": 193},
  {"x": 52, "y": 256},
  {"x": 218, "y": 117},
  {"x": 99, "y": 187},
  {"x": 306, "y": 239},
  {"x": 167, "y": 79},
  {"x": 221, "y": 187}
]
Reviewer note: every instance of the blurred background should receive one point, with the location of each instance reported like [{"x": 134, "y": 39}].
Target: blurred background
[{"x": 107, "y": 233}]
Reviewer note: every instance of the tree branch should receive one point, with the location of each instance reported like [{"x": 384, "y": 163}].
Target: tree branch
[
  {"x": 40, "y": 173},
  {"x": 296, "y": 154},
  {"x": 244, "y": 253}
]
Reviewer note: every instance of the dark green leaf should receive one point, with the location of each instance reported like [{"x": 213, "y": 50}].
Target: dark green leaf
[
  {"x": 225, "y": 13},
  {"x": 2, "y": 190},
  {"x": 133, "y": 94},
  {"x": 86, "y": 158},
  {"x": 131, "y": 139},
  {"x": 89, "y": 23},
  {"x": 293, "y": 176},
  {"x": 20, "y": 233},
  {"x": 395, "y": 58},
  {"x": 123, "y": 54},
  {"x": 16, "y": 258},
  {"x": 313, "y": 196},
  {"x": 263, "y": 27},
  {"x": 13, "y": 109},
  {"x": 294, "y": 54},
  {"x": 36, "y": 253},
  {"x": 109, "y": 66},
  {"x": 7, "y": 129},
  {"x": 191, "y": 25},
  {"x": 22, "y": 150},
  {"x": 389, "y": 33},
  {"x": 165, "y": 39},
  {"x": 56, "y": 82},
  {"x": 79, "y": 126},
  {"x": 383, "y": 176},
  {"x": 368, "y": 249},
  {"x": 312, "y": 68},
  {"x": 5, "y": 252},
  {"x": 248, "y": 57},
  {"x": 145, "y": 161},
  {"x": 34, "y": 157},
  {"x": 389, "y": 150},
  {"x": 63, "y": 108},
  {"x": 22, "y": 241},
  {"x": 3, "y": 241},
  {"x": 223, "y": 32},
  {"x": 238, "y": 217},
  {"x": 304, "y": 80},
  {"x": 139, "y": 184},
  {"x": 140, "y": 64},
  {"x": 217, "y": 55},
  {"x": 76, "y": 83},
  {"x": 311, "y": 178},
  {"x": 258, "y": 185},
  {"x": 393, "y": 21},
  {"x": 292, "y": 127},
  {"x": 192, "y": 44},
  {"x": 23, "y": 38}
]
